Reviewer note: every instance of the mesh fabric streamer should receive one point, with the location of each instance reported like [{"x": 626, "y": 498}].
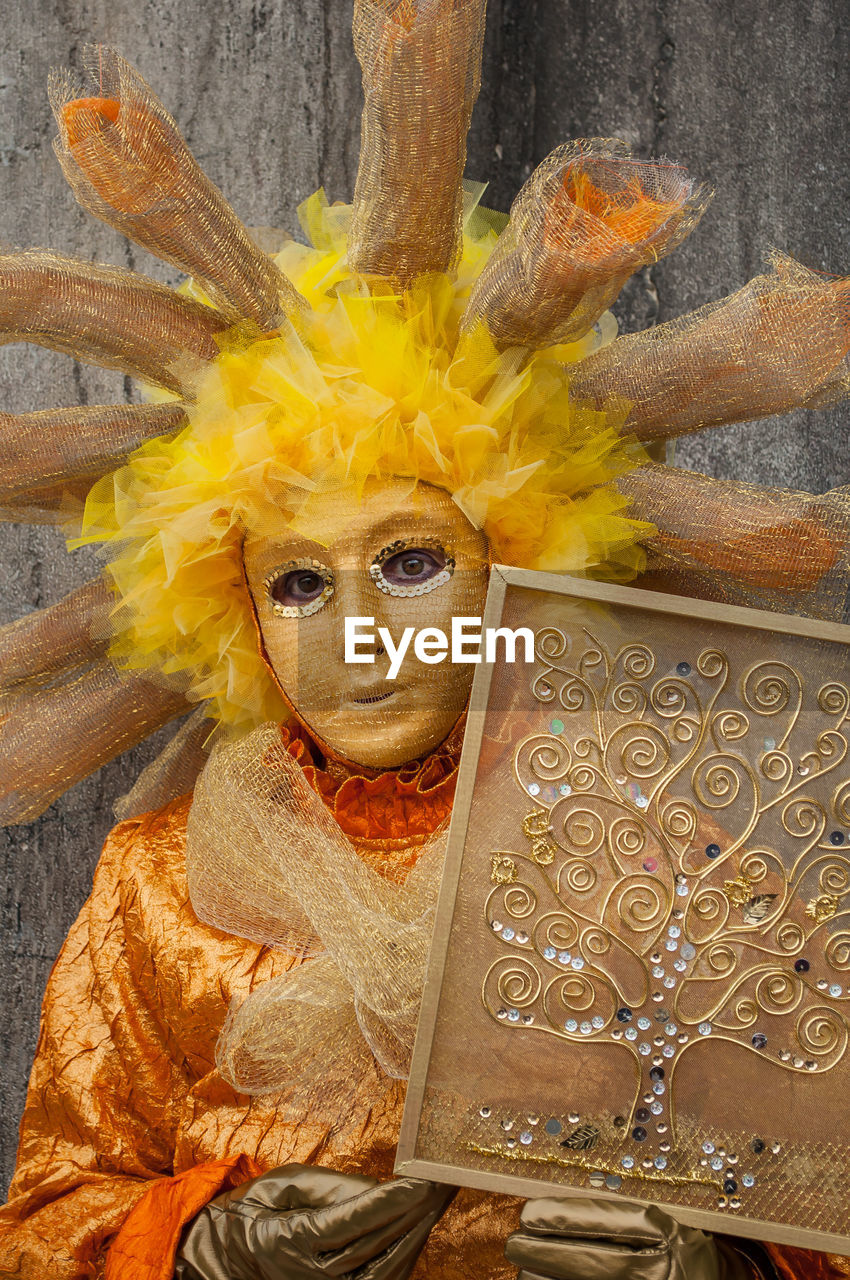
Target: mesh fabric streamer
[
  {"x": 40, "y": 759},
  {"x": 106, "y": 316},
  {"x": 60, "y": 504},
  {"x": 779, "y": 343},
  {"x": 128, "y": 164},
  {"x": 267, "y": 861},
  {"x": 173, "y": 772},
  {"x": 421, "y": 63},
  {"x": 67, "y": 634},
  {"x": 44, "y": 453},
  {"x": 589, "y": 216},
  {"x": 740, "y": 543}
]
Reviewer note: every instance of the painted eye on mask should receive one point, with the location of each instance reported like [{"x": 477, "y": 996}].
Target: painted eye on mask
[
  {"x": 299, "y": 588},
  {"x": 411, "y": 567}
]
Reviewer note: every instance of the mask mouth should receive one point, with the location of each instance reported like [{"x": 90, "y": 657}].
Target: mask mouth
[{"x": 371, "y": 698}]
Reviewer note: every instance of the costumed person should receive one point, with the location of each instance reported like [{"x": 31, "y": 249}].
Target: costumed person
[{"x": 357, "y": 427}]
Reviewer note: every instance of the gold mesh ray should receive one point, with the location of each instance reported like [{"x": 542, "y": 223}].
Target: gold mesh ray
[
  {"x": 421, "y": 62},
  {"x": 726, "y": 540},
  {"x": 59, "y": 504},
  {"x": 71, "y": 633},
  {"x": 128, "y": 164},
  {"x": 106, "y": 316},
  {"x": 174, "y": 771},
  {"x": 780, "y": 343},
  {"x": 54, "y": 734},
  {"x": 588, "y": 217},
  {"x": 48, "y": 454},
  {"x": 52, "y": 650}
]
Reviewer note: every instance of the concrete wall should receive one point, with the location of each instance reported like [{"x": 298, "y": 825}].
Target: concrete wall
[{"x": 749, "y": 95}]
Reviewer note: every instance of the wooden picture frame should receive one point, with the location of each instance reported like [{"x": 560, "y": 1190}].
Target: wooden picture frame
[{"x": 652, "y": 818}]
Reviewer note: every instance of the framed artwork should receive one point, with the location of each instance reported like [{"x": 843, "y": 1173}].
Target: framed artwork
[{"x": 640, "y": 976}]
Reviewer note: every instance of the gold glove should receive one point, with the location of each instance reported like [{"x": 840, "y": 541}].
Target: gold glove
[
  {"x": 588, "y": 1239},
  {"x": 298, "y": 1223}
]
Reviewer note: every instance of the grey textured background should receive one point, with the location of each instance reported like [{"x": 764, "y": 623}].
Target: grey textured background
[{"x": 751, "y": 95}]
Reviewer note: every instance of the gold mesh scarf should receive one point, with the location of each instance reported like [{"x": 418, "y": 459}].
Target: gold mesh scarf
[{"x": 267, "y": 861}]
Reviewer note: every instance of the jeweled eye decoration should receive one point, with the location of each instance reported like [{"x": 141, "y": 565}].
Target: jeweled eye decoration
[
  {"x": 299, "y": 588},
  {"x": 411, "y": 567}
]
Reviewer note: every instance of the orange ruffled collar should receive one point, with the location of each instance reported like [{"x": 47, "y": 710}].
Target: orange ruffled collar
[{"x": 404, "y": 805}]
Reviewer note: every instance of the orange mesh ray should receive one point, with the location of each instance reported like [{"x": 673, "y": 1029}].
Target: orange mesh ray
[
  {"x": 726, "y": 540},
  {"x": 106, "y": 316},
  {"x": 778, "y": 344},
  {"x": 71, "y": 633},
  {"x": 421, "y": 62},
  {"x": 589, "y": 216},
  {"x": 128, "y": 164},
  {"x": 47, "y": 454},
  {"x": 53, "y": 736}
]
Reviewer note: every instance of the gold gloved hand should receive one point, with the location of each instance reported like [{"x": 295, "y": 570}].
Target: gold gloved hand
[
  {"x": 299, "y": 1223},
  {"x": 583, "y": 1238}
]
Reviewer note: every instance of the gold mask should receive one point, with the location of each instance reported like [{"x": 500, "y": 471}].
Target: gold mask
[{"x": 408, "y": 558}]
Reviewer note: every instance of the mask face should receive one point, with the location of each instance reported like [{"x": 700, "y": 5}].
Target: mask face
[{"x": 405, "y": 559}]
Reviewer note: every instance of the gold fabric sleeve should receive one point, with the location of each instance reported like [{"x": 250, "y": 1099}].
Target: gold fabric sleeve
[
  {"x": 778, "y": 344},
  {"x": 421, "y": 62},
  {"x": 98, "y": 1125},
  {"x": 106, "y": 316},
  {"x": 128, "y": 164},
  {"x": 58, "y": 451},
  {"x": 124, "y": 1091}
]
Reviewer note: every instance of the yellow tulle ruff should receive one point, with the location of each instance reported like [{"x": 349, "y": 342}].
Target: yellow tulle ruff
[{"x": 373, "y": 385}]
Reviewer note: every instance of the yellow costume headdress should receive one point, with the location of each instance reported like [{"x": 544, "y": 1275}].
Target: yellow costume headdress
[{"x": 417, "y": 337}]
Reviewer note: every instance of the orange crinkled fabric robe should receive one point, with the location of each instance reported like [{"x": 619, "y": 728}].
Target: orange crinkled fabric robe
[{"x": 129, "y": 1129}]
